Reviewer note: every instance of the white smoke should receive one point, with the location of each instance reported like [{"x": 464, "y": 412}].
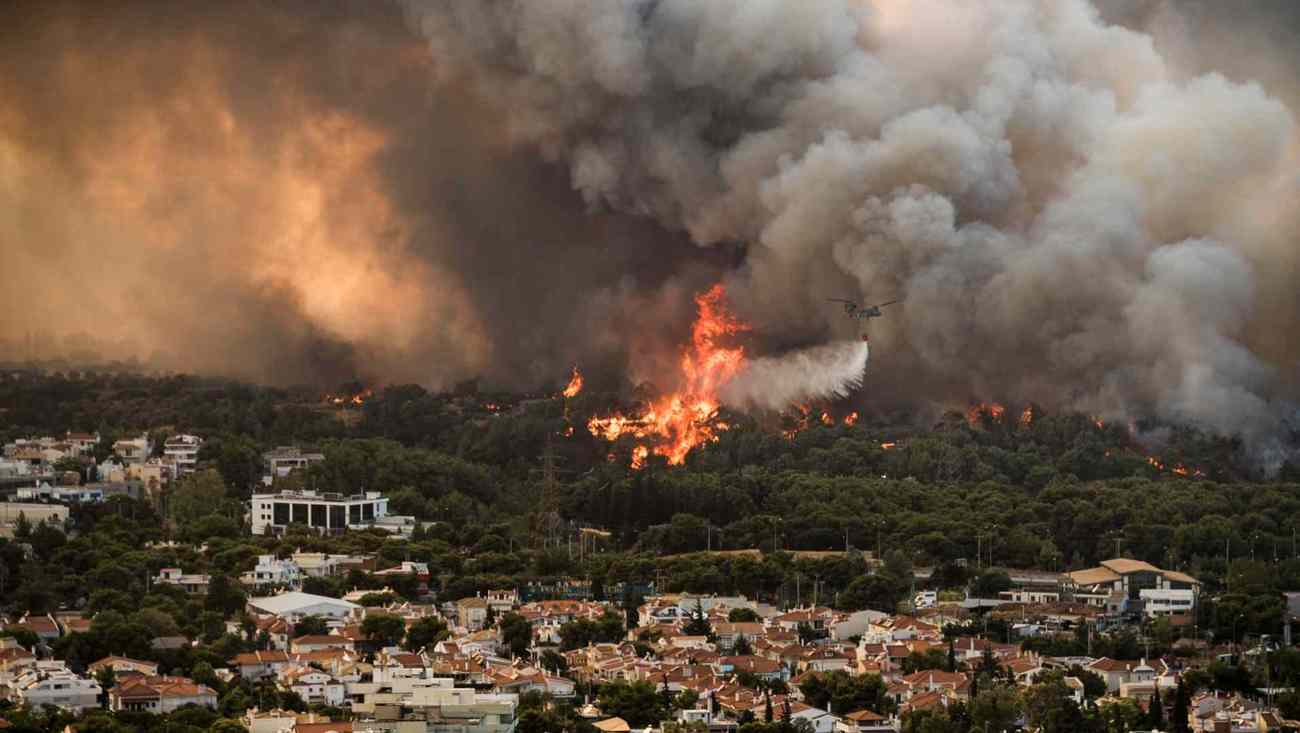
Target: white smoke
[
  {"x": 822, "y": 372},
  {"x": 1067, "y": 217}
]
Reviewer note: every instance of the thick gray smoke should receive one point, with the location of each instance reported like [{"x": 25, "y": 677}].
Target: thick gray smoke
[
  {"x": 1068, "y": 215},
  {"x": 827, "y": 372}
]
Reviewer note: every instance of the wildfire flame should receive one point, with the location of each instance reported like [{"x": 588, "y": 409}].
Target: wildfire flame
[
  {"x": 355, "y": 400},
  {"x": 575, "y": 384},
  {"x": 851, "y": 418},
  {"x": 674, "y": 424},
  {"x": 1177, "y": 469},
  {"x": 888, "y": 446},
  {"x": 992, "y": 409}
]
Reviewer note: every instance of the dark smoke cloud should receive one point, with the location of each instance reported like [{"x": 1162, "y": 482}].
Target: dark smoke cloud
[
  {"x": 1079, "y": 213},
  {"x": 282, "y": 191},
  {"x": 1073, "y": 211}
]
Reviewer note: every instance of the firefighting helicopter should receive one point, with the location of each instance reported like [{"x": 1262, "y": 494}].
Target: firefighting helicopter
[{"x": 861, "y": 313}]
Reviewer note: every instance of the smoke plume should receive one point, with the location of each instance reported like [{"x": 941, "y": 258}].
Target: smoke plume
[
  {"x": 830, "y": 371},
  {"x": 1068, "y": 215},
  {"x": 1087, "y": 206}
]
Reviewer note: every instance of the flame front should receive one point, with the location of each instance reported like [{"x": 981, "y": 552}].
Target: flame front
[
  {"x": 674, "y": 424},
  {"x": 575, "y": 384}
]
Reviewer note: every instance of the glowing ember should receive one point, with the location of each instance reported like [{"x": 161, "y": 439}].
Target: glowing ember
[
  {"x": 575, "y": 384},
  {"x": 992, "y": 409},
  {"x": 888, "y": 446},
  {"x": 1027, "y": 416},
  {"x": 355, "y": 400},
  {"x": 1177, "y": 469},
  {"x": 676, "y": 423},
  {"x": 827, "y": 419},
  {"x": 851, "y": 418}
]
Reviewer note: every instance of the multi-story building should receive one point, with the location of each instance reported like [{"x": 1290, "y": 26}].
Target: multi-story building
[
  {"x": 1124, "y": 586},
  {"x": 272, "y": 571},
  {"x": 283, "y": 460},
  {"x": 183, "y": 450},
  {"x": 54, "y": 684},
  {"x": 326, "y": 512},
  {"x": 134, "y": 450}
]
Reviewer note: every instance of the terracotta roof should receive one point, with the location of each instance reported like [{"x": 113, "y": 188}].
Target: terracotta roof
[
  {"x": 862, "y": 716},
  {"x": 322, "y": 728},
  {"x": 1093, "y": 576},
  {"x": 1124, "y": 566}
]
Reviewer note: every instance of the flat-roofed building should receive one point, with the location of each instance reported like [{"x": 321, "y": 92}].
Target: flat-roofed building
[
  {"x": 183, "y": 450},
  {"x": 327, "y": 512}
]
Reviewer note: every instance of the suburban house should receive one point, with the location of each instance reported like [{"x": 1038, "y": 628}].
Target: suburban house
[
  {"x": 272, "y": 571},
  {"x": 183, "y": 450},
  {"x": 55, "y": 685},
  {"x": 124, "y": 666},
  {"x": 471, "y": 613},
  {"x": 730, "y": 633},
  {"x": 193, "y": 584},
  {"x": 159, "y": 695}
]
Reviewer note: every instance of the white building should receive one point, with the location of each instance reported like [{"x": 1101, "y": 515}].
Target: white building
[
  {"x": 54, "y": 684},
  {"x": 327, "y": 512},
  {"x": 134, "y": 450},
  {"x": 88, "y": 494},
  {"x": 272, "y": 571},
  {"x": 314, "y": 686},
  {"x": 159, "y": 695},
  {"x": 1167, "y": 602},
  {"x": 184, "y": 451},
  {"x": 295, "y": 606}
]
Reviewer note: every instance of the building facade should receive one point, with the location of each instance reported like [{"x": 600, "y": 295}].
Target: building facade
[{"x": 326, "y": 512}]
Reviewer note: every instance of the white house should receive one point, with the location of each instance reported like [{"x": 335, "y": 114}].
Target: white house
[
  {"x": 184, "y": 451},
  {"x": 159, "y": 695},
  {"x": 58, "y": 687},
  {"x": 314, "y": 686},
  {"x": 272, "y": 571}
]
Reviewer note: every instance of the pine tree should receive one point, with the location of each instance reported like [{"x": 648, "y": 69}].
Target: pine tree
[
  {"x": 952, "y": 657},
  {"x": 767, "y": 708},
  {"x": 1156, "y": 710},
  {"x": 1181, "y": 705}
]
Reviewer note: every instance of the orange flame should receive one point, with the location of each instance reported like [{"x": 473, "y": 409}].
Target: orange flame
[
  {"x": 1177, "y": 469},
  {"x": 678, "y": 422},
  {"x": 575, "y": 384},
  {"x": 1027, "y": 416},
  {"x": 992, "y": 409},
  {"x": 355, "y": 400},
  {"x": 851, "y": 418},
  {"x": 888, "y": 446},
  {"x": 827, "y": 419}
]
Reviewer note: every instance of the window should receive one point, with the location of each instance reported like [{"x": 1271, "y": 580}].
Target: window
[
  {"x": 338, "y": 515},
  {"x": 281, "y": 513},
  {"x": 318, "y": 515},
  {"x": 354, "y": 514},
  {"x": 300, "y": 513},
  {"x": 368, "y": 511}
]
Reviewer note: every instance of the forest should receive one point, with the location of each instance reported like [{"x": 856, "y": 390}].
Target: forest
[{"x": 957, "y": 494}]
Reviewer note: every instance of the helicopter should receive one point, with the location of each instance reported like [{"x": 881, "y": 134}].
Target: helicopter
[{"x": 858, "y": 312}]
